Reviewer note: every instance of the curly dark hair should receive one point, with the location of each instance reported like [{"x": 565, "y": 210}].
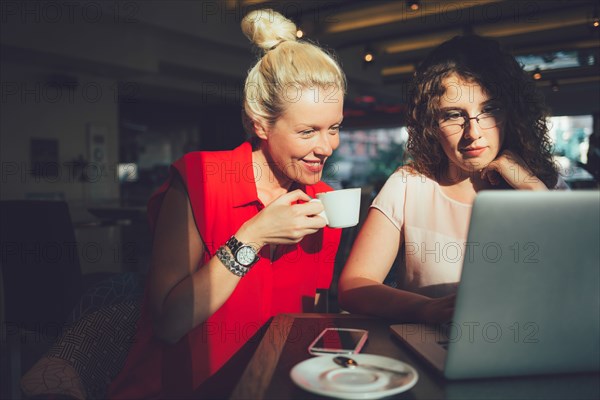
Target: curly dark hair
[{"x": 481, "y": 60}]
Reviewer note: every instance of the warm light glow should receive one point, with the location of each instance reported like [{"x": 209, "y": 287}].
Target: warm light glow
[
  {"x": 537, "y": 74},
  {"x": 392, "y": 11},
  {"x": 414, "y": 5},
  {"x": 365, "y": 99},
  {"x": 510, "y": 28},
  {"x": 368, "y": 57},
  {"x": 299, "y": 33},
  {"x": 596, "y": 23},
  {"x": 398, "y": 69},
  {"x": 423, "y": 42}
]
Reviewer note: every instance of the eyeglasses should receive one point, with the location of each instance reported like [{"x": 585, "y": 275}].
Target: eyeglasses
[{"x": 455, "y": 121}]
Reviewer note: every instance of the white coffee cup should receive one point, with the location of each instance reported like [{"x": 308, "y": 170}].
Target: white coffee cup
[{"x": 342, "y": 207}]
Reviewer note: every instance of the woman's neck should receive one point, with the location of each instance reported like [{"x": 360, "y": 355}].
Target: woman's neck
[
  {"x": 462, "y": 186},
  {"x": 270, "y": 183}
]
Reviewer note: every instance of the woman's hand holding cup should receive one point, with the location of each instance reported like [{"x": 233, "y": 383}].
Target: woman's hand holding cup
[{"x": 283, "y": 221}]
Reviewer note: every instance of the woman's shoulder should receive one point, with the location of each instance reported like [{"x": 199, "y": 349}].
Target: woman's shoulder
[
  {"x": 203, "y": 156},
  {"x": 409, "y": 176},
  {"x": 232, "y": 164},
  {"x": 404, "y": 183},
  {"x": 415, "y": 186},
  {"x": 241, "y": 152}
]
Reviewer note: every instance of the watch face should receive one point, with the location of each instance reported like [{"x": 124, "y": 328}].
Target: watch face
[{"x": 245, "y": 255}]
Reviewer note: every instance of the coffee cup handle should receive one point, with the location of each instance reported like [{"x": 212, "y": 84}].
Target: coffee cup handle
[{"x": 322, "y": 213}]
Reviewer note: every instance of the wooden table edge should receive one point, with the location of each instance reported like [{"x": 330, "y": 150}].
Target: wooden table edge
[{"x": 257, "y": 376}]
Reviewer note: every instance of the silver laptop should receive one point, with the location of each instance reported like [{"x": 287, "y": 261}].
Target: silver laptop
[{"x": 528, "y": 301}]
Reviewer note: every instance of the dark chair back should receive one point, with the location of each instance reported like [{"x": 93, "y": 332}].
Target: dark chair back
[
  {"x": 40, "y": 264},
  {"x": 92, "y": 351}
]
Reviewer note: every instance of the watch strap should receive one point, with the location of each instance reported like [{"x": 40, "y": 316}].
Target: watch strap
[
  {"x": 229, "y": 262},
  {"x": 233, "y": 244}
]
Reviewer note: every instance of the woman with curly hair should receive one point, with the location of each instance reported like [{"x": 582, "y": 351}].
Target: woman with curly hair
[{"x": 475, "y": 123}]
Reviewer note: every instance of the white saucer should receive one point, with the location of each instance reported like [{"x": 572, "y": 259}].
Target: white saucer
[{"x": 321, "y": 375}]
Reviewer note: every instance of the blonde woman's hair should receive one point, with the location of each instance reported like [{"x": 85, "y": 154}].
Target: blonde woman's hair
[{"x": 286, "y": 64}]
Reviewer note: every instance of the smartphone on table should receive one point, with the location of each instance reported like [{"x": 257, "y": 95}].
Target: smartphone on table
[{"x": 338, "y": 341}]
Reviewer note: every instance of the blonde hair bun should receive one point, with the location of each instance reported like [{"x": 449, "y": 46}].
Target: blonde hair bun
[{"x": 267, "y": 28}]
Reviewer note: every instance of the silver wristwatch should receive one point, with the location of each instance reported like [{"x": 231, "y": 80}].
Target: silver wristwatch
[{"x": 243, "y": 254}]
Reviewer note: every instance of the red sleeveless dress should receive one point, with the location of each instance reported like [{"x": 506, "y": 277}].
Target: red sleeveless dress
[{"x": 223, "y": 196}]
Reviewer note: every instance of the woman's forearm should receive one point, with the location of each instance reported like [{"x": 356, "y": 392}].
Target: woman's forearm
[
  {"x": 364, "y": 296},
  {"x": 194, "y": 299}
]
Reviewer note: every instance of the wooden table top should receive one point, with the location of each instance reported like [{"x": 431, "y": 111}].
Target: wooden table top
[{"x": 285, "y": 344}]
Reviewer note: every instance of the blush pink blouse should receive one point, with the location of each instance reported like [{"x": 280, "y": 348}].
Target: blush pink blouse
[{"x": 433, "y": 228}]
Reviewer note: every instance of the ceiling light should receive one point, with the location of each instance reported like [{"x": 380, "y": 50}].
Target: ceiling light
[
  {"x": 413, "y": 5},
  {"x": 596, "y": 22},
  {"x": 537, "y": 74},
  {"x": 299, "y": 33},
  {"x": 368, "y": 54}
]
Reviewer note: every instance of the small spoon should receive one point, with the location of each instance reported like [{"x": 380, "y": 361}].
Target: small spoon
[{"x": 348, "y": 362}]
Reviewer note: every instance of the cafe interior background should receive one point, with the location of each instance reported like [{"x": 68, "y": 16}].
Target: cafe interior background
[{"x": 99, "y": 97}]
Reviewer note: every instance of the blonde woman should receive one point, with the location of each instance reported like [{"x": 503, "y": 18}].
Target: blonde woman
[{"x": 235, "y": 239}]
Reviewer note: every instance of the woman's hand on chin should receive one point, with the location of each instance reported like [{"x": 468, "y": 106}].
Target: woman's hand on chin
[{"x": 514, "y": 170}]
